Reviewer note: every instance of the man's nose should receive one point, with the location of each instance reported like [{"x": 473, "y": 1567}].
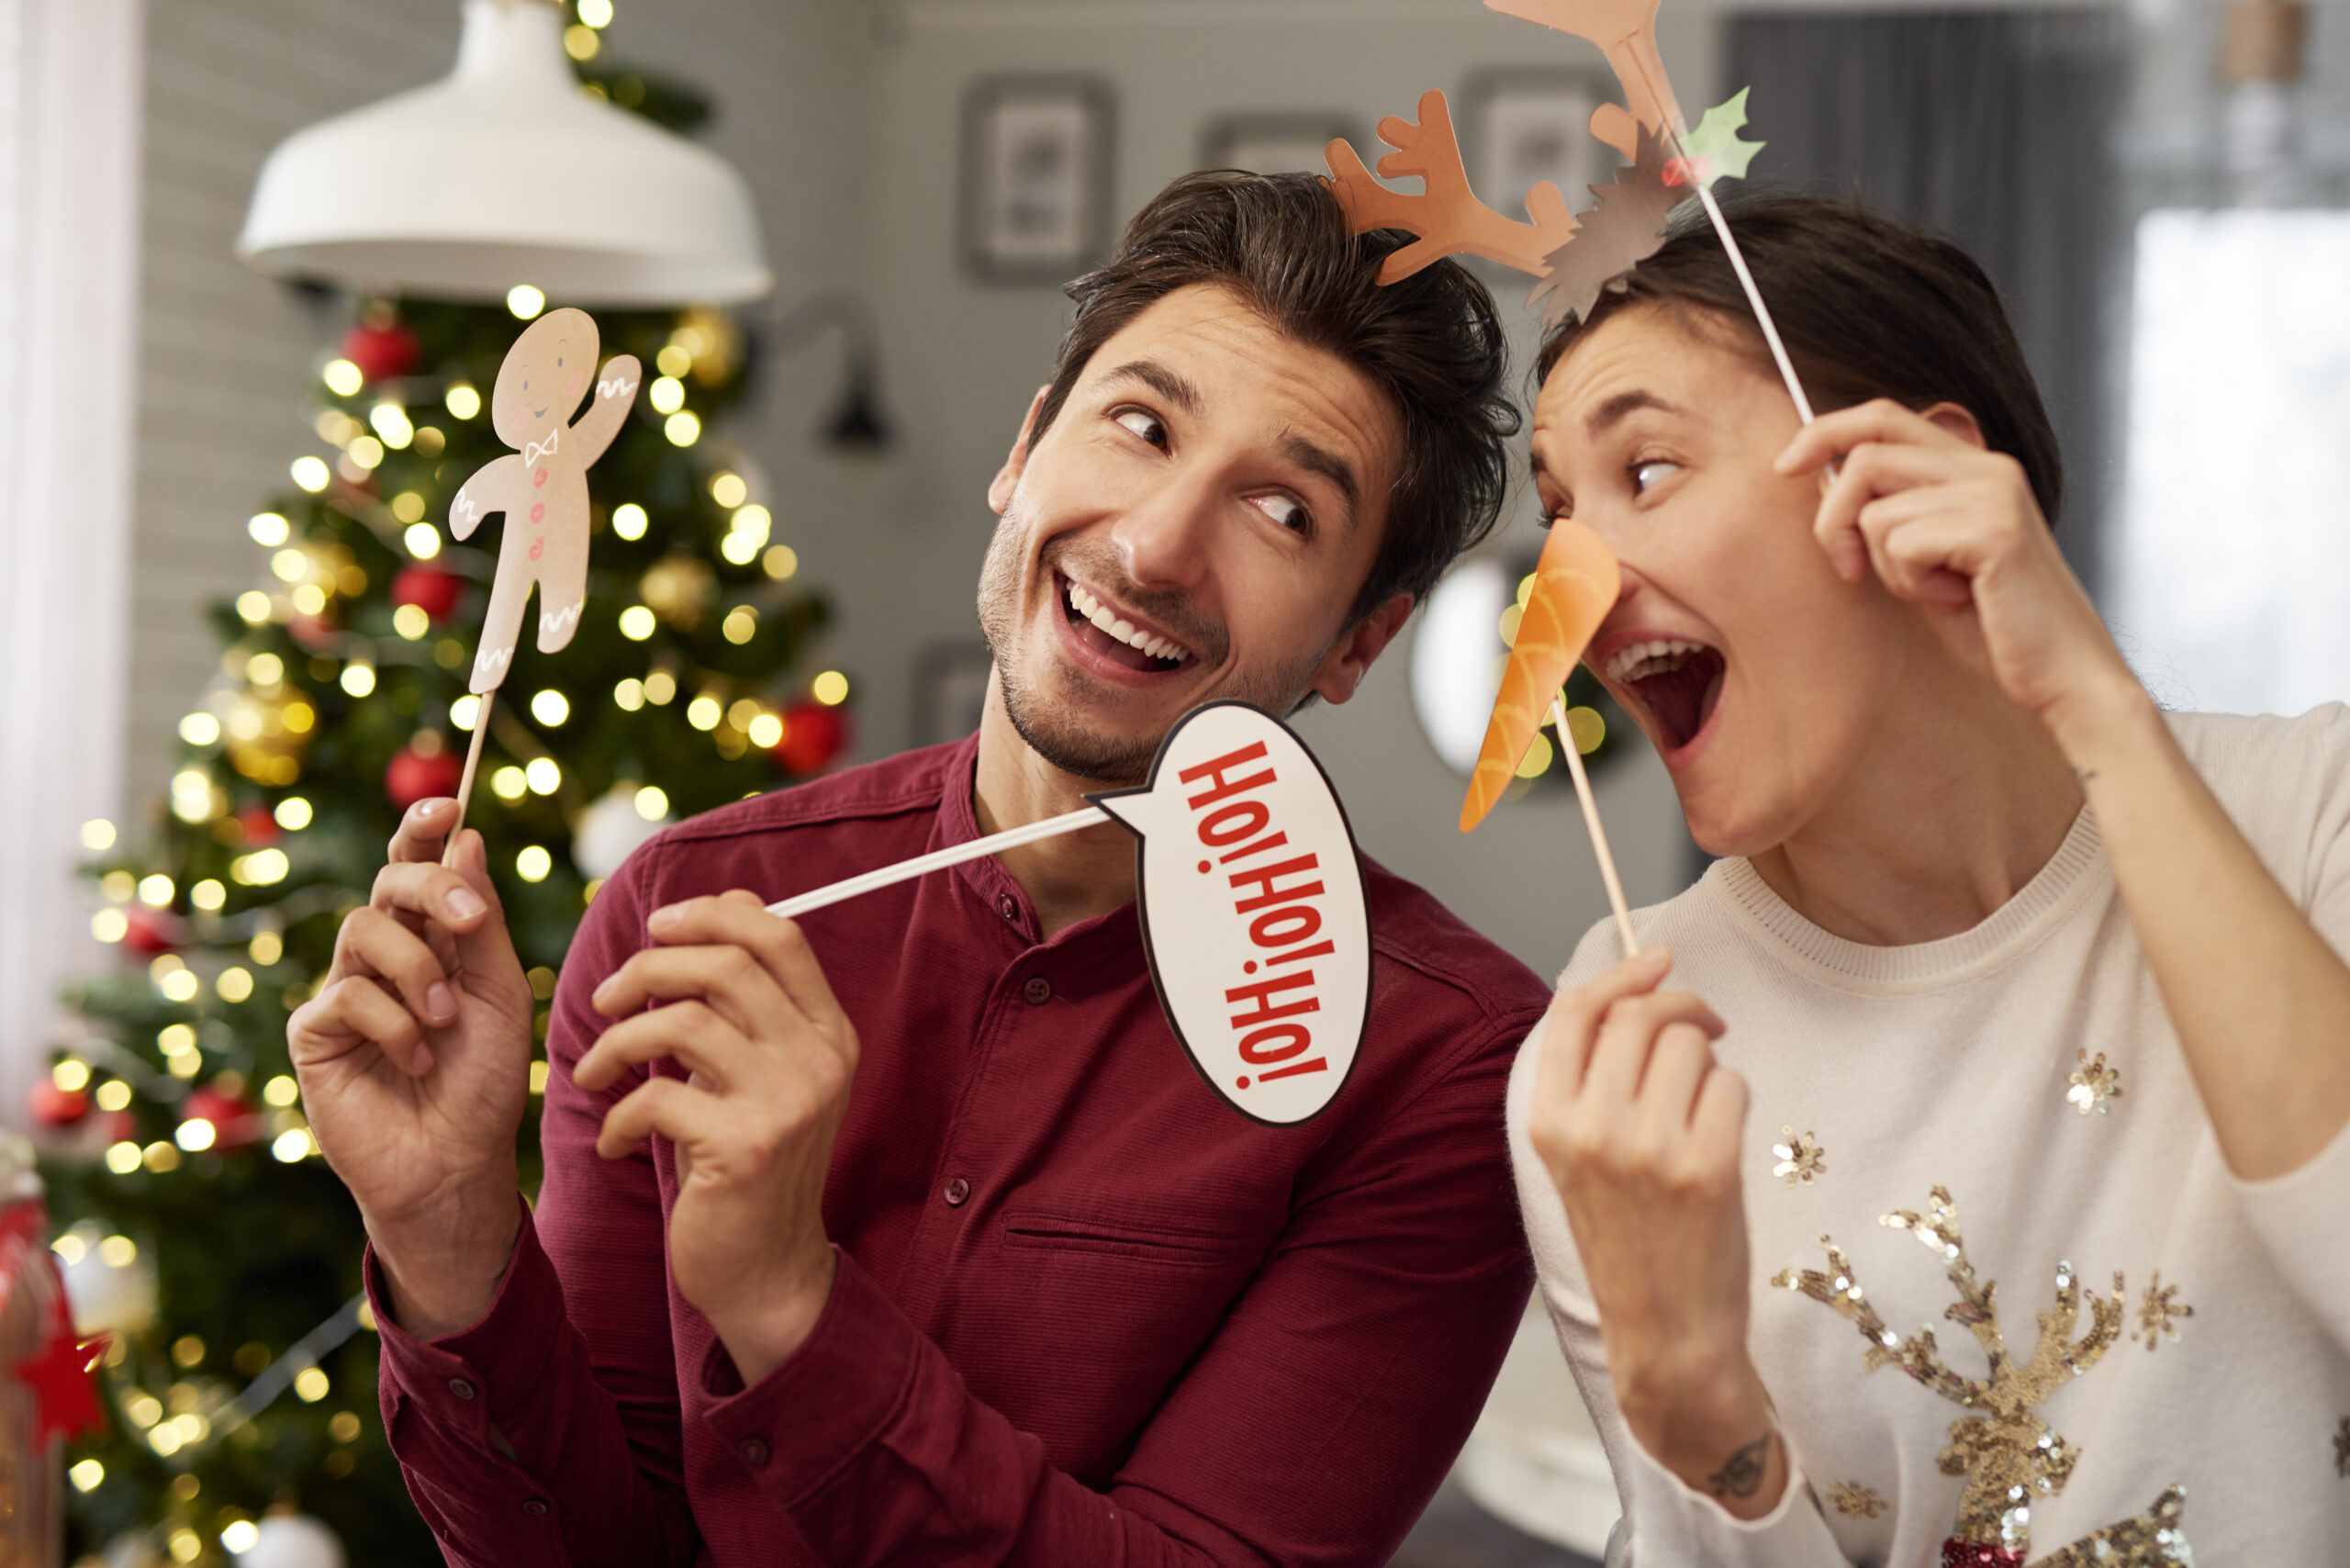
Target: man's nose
[{"x": 1163, "y": 542}]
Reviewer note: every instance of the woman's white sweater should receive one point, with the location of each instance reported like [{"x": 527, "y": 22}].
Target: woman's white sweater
[{"x": 2027, "y": 1070}]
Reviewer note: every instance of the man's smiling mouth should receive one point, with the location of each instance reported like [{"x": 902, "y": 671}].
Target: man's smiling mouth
[
  {"x": 1677, "y": 680},
  {"x": 1114, "y": 637}
]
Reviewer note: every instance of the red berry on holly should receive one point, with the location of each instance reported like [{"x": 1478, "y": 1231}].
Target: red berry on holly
[
  {"x": 812, "y": 735},
  {"x": 55, "y": 1107},
  {"x": 429, "y": 589},
  {"x": 382, "y": 353},
  {"x": 417, "y": 775},
  {"x": 152, "y": 930}
]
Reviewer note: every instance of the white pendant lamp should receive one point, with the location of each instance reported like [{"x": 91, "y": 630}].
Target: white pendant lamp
[{"x": 503, "y": 173}]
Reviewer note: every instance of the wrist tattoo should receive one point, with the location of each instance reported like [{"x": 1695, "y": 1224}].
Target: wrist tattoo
[{"x": 1742, "y": 1473}]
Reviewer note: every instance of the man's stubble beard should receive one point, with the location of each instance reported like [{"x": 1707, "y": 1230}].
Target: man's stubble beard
[{"x": 1050, "y": 732}]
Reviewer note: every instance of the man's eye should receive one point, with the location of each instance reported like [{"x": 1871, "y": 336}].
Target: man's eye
[
  {"x": 1144, "y": 424},
  {"x": 1285, "y": 510},
  {"x": 1646, "y": 476}
]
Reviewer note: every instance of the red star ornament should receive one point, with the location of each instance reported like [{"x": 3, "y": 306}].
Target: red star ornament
[{"x": 65, "y": 1397}]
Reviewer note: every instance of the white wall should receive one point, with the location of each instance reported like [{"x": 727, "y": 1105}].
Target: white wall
[{"x": 964, "y": 358}]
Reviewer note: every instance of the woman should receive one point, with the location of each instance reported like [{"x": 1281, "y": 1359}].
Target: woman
[{"x": 1998, "y": 956}]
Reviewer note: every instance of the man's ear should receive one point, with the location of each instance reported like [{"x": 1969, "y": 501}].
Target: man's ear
[
  {"x": 1344, "y": 667},
  {"x": 1007, "y": 478},
  {"x": 1954, "y": 420}
]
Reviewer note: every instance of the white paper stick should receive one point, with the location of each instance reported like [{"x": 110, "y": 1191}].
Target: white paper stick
[
  {"x": 1754, "y": 295},
  {"x": 1591, "y": 820},
  {"x": 473, "y": 763},
  {"x": 906, "y": 870}
]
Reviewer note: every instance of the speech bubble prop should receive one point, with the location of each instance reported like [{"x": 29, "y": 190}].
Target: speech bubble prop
[
  {"x": 1575, "y": 584},
  {"x": 1253, "y": 914}
]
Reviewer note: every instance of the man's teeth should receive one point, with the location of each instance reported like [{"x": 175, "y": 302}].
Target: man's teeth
[
  {"x": 1638, "y": 661},
  {"x": 1125, "y": 631}
]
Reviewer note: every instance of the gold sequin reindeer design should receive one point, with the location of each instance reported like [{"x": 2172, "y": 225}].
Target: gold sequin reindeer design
[{"x": 2006, "y": 1451}]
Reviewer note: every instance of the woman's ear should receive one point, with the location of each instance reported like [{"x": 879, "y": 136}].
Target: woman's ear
[
  {"x": 1952, "y": 419},
  {"x": 1007, "y": 478}
]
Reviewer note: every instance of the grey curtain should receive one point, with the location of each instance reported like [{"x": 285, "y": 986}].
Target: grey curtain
[{"x": 1996, "y": 127}]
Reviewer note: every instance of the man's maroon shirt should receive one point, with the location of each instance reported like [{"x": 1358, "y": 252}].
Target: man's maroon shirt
[{"x": 1085, "y": 1313}]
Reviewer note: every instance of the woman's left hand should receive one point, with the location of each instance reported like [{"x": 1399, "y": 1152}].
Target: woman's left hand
[{"x": 1955, "y": 528}]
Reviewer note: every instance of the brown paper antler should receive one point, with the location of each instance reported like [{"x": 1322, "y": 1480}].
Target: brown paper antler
[
  {"x": 1624, "y": 31},
  {"x": 1448, "y": 218}
]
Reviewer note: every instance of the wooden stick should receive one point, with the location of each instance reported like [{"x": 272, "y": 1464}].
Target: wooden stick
[
  {"x": 1591, "y": 820},
  {"x": 906, "y": 870},
  {"x": 466, "y": 784}
]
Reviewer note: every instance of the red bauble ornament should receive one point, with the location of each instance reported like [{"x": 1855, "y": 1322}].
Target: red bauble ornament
[
  {"x": 812, "y": 735},
  {"x": 429, "y": 589},
  {"x": 234, "y": 1125},
  {"x": 152, "y": 930},
  {"x": 257, "y": 826},
  {"x": 55, "y": 1107},
  {"x": 417, "y": 775},
  {"x": 382, "y": 353}
]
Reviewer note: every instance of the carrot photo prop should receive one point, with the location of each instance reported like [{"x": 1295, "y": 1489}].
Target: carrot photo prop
[{"x": 1575, "y": 584}]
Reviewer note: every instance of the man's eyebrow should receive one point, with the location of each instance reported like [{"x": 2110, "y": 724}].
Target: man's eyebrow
[
  {"x": 1617, "y": 409},
  {"x": 1329, "y": 465},
  {"x": 1162, "y": 380}
]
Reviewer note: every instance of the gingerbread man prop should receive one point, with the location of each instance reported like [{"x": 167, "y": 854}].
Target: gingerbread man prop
[{"x": 542, "y": 487}]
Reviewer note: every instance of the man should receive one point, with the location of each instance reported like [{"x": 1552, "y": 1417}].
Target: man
[{"x": 964, "y": 1263}]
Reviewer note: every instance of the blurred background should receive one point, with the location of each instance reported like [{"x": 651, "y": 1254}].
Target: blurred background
[{"x": 248, "y": 337}]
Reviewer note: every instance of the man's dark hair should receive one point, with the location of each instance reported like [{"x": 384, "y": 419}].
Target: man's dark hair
[
  {"x": 1868, "y": 304},
  {"x": 1432, "y": 343}
]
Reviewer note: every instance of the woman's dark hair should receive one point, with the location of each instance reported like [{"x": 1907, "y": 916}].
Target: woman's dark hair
[
  {"x": 1868, "y": 304},
  {"x": 1432, "y": 343}
]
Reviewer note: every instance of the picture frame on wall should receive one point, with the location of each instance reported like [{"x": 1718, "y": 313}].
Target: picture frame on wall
[
  {"x": 1037, "y": 177},
  {"x": 1275, "y": 143},
  {"x": 1525, "y": 125}
]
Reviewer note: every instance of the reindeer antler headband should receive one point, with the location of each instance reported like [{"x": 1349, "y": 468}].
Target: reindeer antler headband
[{"x": 1572, "y": 258}]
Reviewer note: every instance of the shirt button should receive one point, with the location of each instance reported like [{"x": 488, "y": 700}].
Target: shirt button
[
  {"x": 461, "y": 1388},
  {"x": 753, "y": 1450},
  {"x": 957, "y": 1191},
  {"x": 536, "y": 1507},
  {"x": 1038, "y": 991},
  {"x": 1005, "y": 907}
]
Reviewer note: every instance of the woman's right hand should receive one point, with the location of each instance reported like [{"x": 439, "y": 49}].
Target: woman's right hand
[
  {"x": 1641, "y": 1133},
  {"x": 414, "y": 1062}
]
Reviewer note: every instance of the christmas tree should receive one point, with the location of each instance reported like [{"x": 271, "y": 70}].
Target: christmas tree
[{"x": 199, "y": 1226}]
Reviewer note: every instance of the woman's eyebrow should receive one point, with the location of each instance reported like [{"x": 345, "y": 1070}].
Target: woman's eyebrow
[{"x": 1615, "y": 409}]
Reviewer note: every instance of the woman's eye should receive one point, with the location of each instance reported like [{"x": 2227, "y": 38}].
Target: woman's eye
[
  {"x": 1646, "y": 476},
  {"x": 1285, "y": 510},
  {"x": 1145, "y": 425}
]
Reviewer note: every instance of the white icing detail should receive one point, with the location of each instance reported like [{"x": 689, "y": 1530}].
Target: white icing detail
[
  {"x": 619, "y": 387},
  {"x": 532, "y": 451}
]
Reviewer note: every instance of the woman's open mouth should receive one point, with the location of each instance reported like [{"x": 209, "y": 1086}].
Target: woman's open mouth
[
  {"x": 1676, "y": 680},
  {"x": 1115, "y": 639}
]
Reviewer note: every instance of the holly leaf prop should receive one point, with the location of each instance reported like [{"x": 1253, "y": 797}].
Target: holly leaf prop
[
  {"x": 1622, "y": 231},
  {"x": 1575, "y": 584},
  {"x": 1715, "y": 150}
]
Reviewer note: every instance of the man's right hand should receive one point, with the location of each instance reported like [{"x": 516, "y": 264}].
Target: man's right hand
[{"x": 414, "y": 1061}]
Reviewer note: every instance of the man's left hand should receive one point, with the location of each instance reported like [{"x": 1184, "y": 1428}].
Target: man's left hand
[{"x": 734, "y": 995}]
